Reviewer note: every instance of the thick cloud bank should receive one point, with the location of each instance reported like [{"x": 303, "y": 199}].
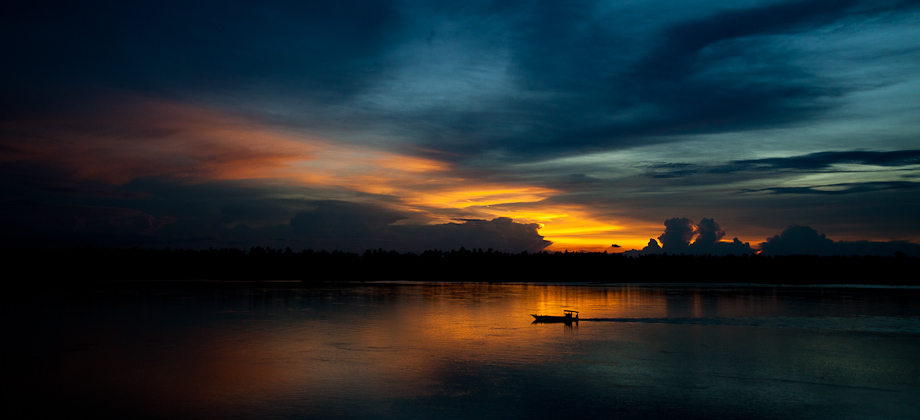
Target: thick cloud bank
[
  {"x": 679, "y": 232},
  {"x": 344, "y": 226},
  {"x": 330, "y": 225},
  {"x": 803, "y": 240},
  {"x": 795, "y": 240}
]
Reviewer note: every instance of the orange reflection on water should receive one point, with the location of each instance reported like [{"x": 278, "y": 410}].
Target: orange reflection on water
[
  {"x": 188, "y": 372},
  {"x": 376, "y": 343}
]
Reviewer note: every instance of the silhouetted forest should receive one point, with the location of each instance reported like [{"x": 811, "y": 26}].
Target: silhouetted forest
[{"x": 260, "y": 264}]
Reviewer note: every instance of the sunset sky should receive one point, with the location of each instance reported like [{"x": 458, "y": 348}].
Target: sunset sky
[{"x": 411, "y": 125}]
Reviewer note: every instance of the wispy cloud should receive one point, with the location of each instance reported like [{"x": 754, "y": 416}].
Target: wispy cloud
[{"x": 591, "y": 120}]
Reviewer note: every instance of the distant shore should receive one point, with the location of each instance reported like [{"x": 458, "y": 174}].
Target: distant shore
[{"x": 264, "y": 264}]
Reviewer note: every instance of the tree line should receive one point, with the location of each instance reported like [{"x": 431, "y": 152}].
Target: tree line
[{"x": 74, "y": 265}]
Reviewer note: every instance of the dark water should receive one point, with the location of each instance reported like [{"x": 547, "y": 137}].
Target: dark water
[{"x": 463, "y": 351}]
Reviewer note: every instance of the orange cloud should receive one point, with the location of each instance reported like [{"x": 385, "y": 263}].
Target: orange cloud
[
  {"x": 143, "y": 137},
  {"x": 138, "y": 137},
  {"x": 468, "y": 194}
]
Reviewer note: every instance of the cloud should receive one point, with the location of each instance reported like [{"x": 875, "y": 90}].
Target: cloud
[
  {"x": 826, "y": 160},
  {"x": 515, "y": 80},
  {"x": 841, "y": 189},
  {"x": 818, "y": 162},
  {"x": 651, "y": 248},
  {"x": 38, "y": 224},
  {"x": 125, "y": 138},
  {"x": 134, "y": 137},
  {"x": 741, "y": 72},
  {"x": 858, "y": 172},
  {"x": 327, "y": 50},
  {"x": 795, "y": 240},
  {"x": 803, "y": 240},
  {"x": 709, "y": 232},
  {"x": 499, "y": 234},
  {"x": 346, "y": 226},
  {"x": 677, "y": 235},
  {"x": 441, "y": 112},
  {"x": 356, "y": 227},
  {"x": 679, "y": 232},
  {"x": 723, "y": 71}
]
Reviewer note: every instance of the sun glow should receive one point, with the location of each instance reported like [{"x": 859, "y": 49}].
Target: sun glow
[
  {"x": 478, "y": 195},
  {"x": 192, "y": 144},
  {"x": 572, "y": 228}
]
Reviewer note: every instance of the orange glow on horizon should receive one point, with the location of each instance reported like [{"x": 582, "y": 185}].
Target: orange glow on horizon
[
  {"x": 143, "y": 137},
  {"x": 572, "y": 228}
]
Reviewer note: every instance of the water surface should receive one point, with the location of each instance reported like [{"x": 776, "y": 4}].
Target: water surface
[{"x": 434, "y": 350}]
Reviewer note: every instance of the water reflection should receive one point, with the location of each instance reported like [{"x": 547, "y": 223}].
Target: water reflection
[{"x": 467, "y": 350}]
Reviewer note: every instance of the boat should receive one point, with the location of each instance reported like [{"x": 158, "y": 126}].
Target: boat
[{"x": 568, "y": 318}]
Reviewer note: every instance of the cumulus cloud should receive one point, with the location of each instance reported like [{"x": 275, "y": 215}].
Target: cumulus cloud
[
  {"x": 500, "y": 234},
  {"x": 795, "y": 240},
  {"x": 651, "y": 248},
  {"x": 338, "y": 225},
  {"x": 679, "y": 232},
  {"x": 709, "y": 232},
  {"x": 803, "y": 240}
]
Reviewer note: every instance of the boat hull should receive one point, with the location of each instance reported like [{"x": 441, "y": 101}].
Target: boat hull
[{"x": 551, "y": 318}]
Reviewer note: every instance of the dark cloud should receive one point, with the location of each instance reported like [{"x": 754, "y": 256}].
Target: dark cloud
[
  {"x": 677, "y": 235},
  {"x": 859, "y": 161},
  {"x": 500, "y": 234},
  {"x": 679, "y": 232},
  {"x": 479, "y": 88},
  {"x": 344, "y": 220},
  {"x": 726, "y": 71},
  {"x": 35, "y": 224},
  {"x": 157, "y": 213},
  {"x": 345, "y": 226},
  {"x": 824, "y": 160},
  {"x": 651, "y": 248},
  {"x": 708, "y": 232},
  {"x": 574, "y": 78},
  {"x": 680, "y": 53},
  {"x": 324, "y": 51},
  {"x": 841, "y": 189},
  {"x": 795, "y": 240},
  {"x": 335, "y": 225},
  {"x": 723, "y": 71},
  {"x": 803, "y": 240},
  {"x": 819, "y": 162}
]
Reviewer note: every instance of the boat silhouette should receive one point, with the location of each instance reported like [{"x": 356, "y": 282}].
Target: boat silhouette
[{"x": 568, "y": 318}]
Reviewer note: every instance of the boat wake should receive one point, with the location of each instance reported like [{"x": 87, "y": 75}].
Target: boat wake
[{"x": 910, "y": 324}]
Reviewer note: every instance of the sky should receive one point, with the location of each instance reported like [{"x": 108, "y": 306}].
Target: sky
[{"x": 512, "y": 125}]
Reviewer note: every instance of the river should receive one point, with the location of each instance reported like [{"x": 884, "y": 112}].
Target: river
[{"x": 463, "y": 350}]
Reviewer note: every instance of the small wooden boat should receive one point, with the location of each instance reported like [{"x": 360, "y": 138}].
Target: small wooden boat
[{"x": 568, "y": 318}]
